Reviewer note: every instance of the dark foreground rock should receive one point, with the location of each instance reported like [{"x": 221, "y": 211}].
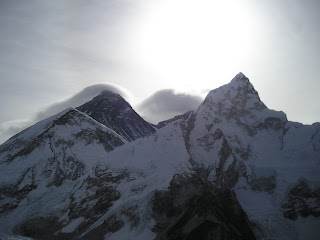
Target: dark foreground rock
[{"x": 195, "y": 209}]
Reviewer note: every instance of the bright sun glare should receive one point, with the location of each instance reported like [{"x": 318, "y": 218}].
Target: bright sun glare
[{"x": 185, "y": 42}]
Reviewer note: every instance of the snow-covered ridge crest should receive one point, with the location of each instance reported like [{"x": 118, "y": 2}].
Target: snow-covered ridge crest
[{"x": 41, "y": 126}]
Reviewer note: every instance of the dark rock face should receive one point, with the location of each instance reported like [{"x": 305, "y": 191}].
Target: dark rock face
[
  {"x": 113, "y": 111},
  {"x": 265, "y": 184},
  {"x": 302, "y": 201},
  {"x": 46, "y": 228},
  {"x": 193, "y": 208},
  {"x": 13, "y": 196},
  {"x": 39, "y": 228},
  {"x": 187, "y": 127}
]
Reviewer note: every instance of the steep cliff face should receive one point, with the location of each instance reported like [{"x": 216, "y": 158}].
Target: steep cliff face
[
  {"x": 232, "y": 169},
  {"x": 114, "y": 112}
]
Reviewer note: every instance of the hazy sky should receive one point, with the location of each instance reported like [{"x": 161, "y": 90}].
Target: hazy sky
[{"x": 51, "y": 50}]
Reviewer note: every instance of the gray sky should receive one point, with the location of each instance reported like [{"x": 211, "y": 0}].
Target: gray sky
[{"x": 51, "y": 50}]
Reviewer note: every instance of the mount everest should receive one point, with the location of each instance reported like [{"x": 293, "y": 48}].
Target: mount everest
[
  {"x": 114, "y": 112},
  {"x": 232, "y": 169}
]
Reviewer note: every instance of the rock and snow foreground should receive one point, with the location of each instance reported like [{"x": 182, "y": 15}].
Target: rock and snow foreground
[{"x": 233, "y": 169}]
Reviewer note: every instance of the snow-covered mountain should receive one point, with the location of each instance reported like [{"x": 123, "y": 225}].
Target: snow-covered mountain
[
  {"x": 239, "y": 143},
  {"x": 114, "y": 112},
  {"x": 41, "y": 165},
  {"x": 232, "y": 169}
]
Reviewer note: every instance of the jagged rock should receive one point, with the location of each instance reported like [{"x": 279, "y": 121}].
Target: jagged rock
[
  {"x": 193, "y": 209},
  {"x": 302, "y": 201},
  {"x": 266, "y": 184}
]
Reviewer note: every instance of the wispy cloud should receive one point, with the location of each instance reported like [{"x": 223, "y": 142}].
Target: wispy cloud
[{"x": 167, "y": 103}]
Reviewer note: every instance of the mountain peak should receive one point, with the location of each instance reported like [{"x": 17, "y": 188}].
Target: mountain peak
[
  {"x": 113, "y": 111},
  {"x": 240, "y": 75},
  {"x": 240, "y": 78},
  {"x": 239, "y": 88},
  {"x": 107, "y": 97},
  {"x": 238, "y": 100},
  {"x": 108, "y": 93}
]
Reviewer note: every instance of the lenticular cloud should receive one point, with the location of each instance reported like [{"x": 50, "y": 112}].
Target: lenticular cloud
[{"x": 165, "y": 104}]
